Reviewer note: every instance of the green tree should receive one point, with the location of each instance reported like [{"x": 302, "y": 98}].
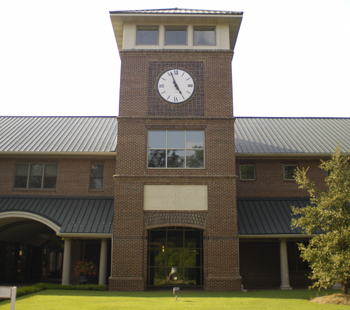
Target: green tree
[{"x": 328, "y": 219}]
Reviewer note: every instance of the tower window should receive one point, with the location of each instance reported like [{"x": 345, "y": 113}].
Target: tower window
[
  {"x": 147, "y": 35},
  {"x": 204, "y": 35},
  {"x": 175, "y": 149},
  {"x": 175, "y": 35}
]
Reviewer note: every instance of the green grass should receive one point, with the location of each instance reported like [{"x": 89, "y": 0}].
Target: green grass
[{"x": 91, "y": 300}]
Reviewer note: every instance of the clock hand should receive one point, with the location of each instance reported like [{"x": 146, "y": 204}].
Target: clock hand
[{"x": 177, "y": 87}]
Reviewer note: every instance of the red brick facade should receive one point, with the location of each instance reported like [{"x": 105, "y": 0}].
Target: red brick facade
[
  {"x": 210, "y": 110},
  {"x": 73, "y": 176},
  {"x": 269, "y": 180}
]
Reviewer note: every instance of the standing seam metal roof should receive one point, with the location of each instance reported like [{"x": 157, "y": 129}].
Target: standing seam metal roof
[
  {"x": 93, "y": 215},
  {"x": 291, "y": 135},
  {"x": 267, "y": 216},
  {"x": 58, "y": 134},
  {"x": 178, "y": 11}
]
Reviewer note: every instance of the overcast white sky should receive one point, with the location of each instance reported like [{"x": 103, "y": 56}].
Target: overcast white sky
[{"x": 292, "y": 58}]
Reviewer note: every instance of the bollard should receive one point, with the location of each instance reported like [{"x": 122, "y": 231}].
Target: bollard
[{"x": 176, "y": 291}]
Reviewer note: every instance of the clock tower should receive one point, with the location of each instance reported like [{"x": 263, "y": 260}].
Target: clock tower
[{"x": 175, "y": 192}]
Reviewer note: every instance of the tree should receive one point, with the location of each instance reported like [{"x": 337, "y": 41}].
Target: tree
[{"x": 328, "y": 219}]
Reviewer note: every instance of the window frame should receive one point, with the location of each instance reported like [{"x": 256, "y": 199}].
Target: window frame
[
  {"x": 166, "y": 149},
  {"x": 42, "y": 182},
  {"x": 284, "y": 173},
  {"x": 91, "y": 177},
  {"x": 203, "y": 27},
  {"x": 240, "y": 172},
  {"x": 168, "y": 27},
  {"x": 147, "y": 27}
]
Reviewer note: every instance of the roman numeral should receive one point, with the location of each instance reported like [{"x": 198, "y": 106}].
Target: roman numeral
[
  {"x": 175, "y": 99},
  {"x": 176, "y": 72},
  {"x": 190, "y": 85},
  {"x": 161, "y": 85}
]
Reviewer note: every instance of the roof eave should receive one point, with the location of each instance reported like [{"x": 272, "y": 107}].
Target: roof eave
[
  {"x": 279, "y": 236},
  {"x": 284, "y": 155},
  {"x": 56, "y": 154}
]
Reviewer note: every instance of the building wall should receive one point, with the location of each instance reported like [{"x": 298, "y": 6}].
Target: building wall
[
  {"x": 210, "y": 110},
  {"x": 73, "y": 176},
  {"x": 270, "y": 182}
]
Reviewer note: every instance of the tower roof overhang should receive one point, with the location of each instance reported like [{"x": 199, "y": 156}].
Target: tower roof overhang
[{"x": 205, "y": 17}]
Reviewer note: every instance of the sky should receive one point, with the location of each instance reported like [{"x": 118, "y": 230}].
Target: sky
[{"x": 60, "y": 58}]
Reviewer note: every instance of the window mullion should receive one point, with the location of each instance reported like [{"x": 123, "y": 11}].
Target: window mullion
[{"x": 166, "y": 149}]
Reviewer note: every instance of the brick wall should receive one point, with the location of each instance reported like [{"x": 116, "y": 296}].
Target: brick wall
[
  {"x": 73, "y": 176},
  {"x": 270, "y": 182},
  {"x": 210, "y": 110}
]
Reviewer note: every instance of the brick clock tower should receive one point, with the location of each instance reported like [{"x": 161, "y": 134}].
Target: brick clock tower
[{"x": 175, "y": 192}]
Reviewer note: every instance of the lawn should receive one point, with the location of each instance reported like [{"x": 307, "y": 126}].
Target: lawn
[{"x": 91, "y": 300}]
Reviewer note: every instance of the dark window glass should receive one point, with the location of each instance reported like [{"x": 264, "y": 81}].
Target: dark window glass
[
  {"x": 289, "y": 172},
  {"x": 96, "y": 177},
  {"x": 157, "y": 257},
  {"x": 176, "y": 158},
  {"x": 157, "y": 238},
  {"x": 156, "y": 158},
  {"x": 21, "y": 176},
  {"x": 147, "y": 35},
  {"x": 195, "y": 159},
  {"x": 204, "y": 36},
  {"x": 192, "y": 239},
  {"x": 193, "y": 276},
  {"x": 247, "y": 172},
  {"x": 35, "y": 175},
  {"x": 40, "y": 176},
  {"x": 175, "y": 36},
  {"x": 50, "y": 176},
  {"x": 175, "y": 239},
  {"x": 178, "y": 247}
]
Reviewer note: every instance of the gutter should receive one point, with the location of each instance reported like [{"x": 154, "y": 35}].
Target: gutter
[{"x": 56, "y": 154}]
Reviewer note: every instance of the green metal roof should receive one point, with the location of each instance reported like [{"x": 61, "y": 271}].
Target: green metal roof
[
  {"x": 72, "y": 215},
  {"x": 267, "y": 216}
]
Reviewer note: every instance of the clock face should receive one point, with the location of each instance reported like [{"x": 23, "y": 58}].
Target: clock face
[{"x": 175, "y": 86}]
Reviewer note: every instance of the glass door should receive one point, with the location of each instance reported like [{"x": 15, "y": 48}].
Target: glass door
[{"x": 178, "y": 247}]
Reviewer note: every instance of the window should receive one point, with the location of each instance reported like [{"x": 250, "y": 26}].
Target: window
[
  {"x": 36, "y": 176},
  {"x": 175, "y": 35},
  {"x": 96, "y": 176},
  {"x": 147, "y": 35},
  {"x": 288, "y": 172},
  {"x": 204, "y": 35},
  {"x": 175, "y": 149},
  {"x": 247, "y": 172}
]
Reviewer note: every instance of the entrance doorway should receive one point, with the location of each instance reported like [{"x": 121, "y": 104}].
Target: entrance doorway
[{"x": 178, "y": 247}]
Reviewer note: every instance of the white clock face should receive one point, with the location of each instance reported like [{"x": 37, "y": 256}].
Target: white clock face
[{"x": 175, "y": 86}]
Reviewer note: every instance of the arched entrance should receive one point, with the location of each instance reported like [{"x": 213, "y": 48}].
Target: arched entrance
[
  {"x": 30, "y": 250},
  {"x": 180, "y": 247}
]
